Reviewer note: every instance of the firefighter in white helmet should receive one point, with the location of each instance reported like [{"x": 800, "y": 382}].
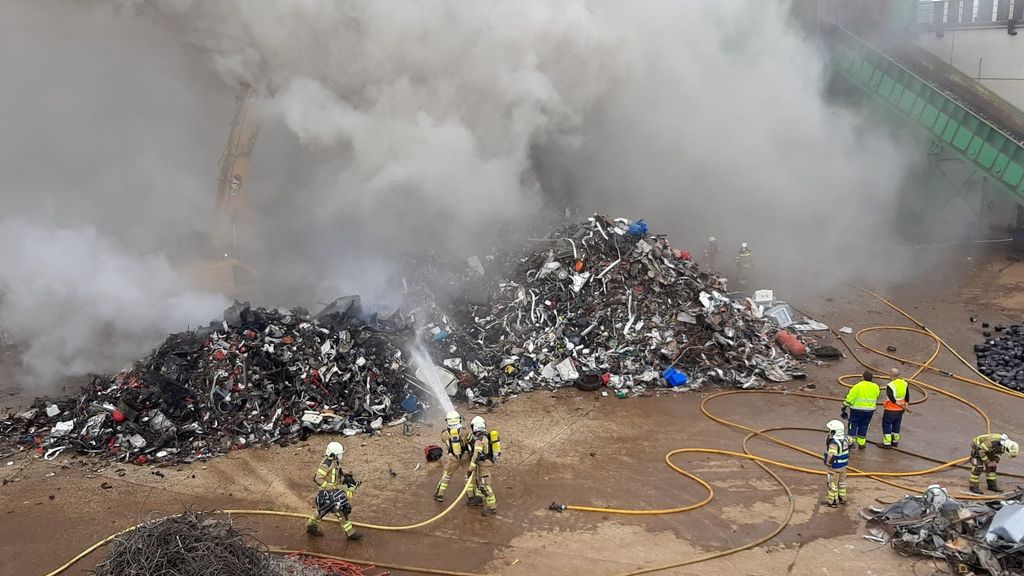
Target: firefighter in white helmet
[
  {"x": 711, "y": 252},
  {"x": 985, "y": 452},
  {"x": 837, "y": 456},
  {"x": 486, "y": 449},
  {"x": 744, "y": 263},
  {"x": 457, "y": 442},
  {"x": 335, "y": 494}
]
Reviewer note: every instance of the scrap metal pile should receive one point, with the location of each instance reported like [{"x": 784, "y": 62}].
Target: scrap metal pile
[
  {"x": 604, "y": 302},
  {"x": 972, "y": 538},
  {"x": 1002, "y": 358},
  {"x": 600, "y": 303},
  {"x": 259, "y": 376},
  {"x": 197, "y": 544}
]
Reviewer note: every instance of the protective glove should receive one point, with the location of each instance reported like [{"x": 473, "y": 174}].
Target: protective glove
[{"x": 844, "y": 414}]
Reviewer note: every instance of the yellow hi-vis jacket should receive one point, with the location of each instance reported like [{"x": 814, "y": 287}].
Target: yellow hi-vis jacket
[
  {"x": 987, "y": 445},
  {"x": 330, "y": 476},
  {"x": 863, "y": 396}
]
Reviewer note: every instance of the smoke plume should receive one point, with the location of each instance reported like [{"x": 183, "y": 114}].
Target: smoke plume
[{"x": 402, "y": 126}]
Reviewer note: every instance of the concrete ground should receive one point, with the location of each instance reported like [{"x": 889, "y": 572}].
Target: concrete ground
[{"x": 578, "y": 448}]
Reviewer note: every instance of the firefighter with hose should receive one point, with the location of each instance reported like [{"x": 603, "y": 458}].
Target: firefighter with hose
[
  {"x": 486, "y": 449},
  {"x": 457, "y": 442}
]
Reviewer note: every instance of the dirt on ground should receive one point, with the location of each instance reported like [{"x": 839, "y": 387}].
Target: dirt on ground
[{"x": 577, "y": 448}]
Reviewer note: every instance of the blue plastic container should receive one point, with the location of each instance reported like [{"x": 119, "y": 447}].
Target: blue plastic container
[
  {"x": 675, "y": 378},
  {"x": 638, "y": 229}
]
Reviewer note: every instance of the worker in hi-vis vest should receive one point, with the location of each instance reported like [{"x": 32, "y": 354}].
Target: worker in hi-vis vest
[
  {"x": 897, "y": 398},
  {"x": 861, "y": 401}
]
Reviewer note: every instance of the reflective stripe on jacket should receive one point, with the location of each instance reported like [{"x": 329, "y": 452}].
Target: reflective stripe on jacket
[
  {"x": 837, "y": 452},
  {"x": 988, "y": 445},
  {"x": 863, "y": 396},
  {"x": 328, "y": 475}
]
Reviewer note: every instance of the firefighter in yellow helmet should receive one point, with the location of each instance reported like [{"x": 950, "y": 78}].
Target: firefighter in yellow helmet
[
  {"x": 457, "y": 441},
  {"x": 837, "y": 457},
  {"x": 335, "y": 495},
  {"x": 486, "y": 449},
  {"x": 985, "y": 452}
]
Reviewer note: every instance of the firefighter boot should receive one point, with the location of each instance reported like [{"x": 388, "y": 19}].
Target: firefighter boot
[
  {"x": 314, "y": 530},
  {"x": 993, "y": 486},
  {"x": 975, "y": 488},
  {"x": 354, "y": 536}
]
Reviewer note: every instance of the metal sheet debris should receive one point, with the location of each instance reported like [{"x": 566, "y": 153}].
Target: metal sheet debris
[{"x": 971, "y": 537}]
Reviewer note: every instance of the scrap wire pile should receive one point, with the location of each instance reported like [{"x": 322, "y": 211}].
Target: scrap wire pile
[
  {"x": 197, "y": 544},
  {"x": 259, "y": 376},
  {"x": 603, "y": 300},
  {"x": 970, "y": 537}
]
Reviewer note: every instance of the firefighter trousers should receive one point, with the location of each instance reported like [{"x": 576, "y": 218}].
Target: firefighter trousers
[
  {"x": 836, "y": 485},
  {"x": 451, "y": 464},
  {"x": 483, "y": 486}
]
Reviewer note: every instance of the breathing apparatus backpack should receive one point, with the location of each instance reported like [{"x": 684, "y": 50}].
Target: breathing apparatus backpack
[{"x": 493, "y": 447}]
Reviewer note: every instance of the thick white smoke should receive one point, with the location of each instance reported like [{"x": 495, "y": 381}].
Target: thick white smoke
[
  {"x": 406, "y": 125},
  {"x": 105, "y": 162},
  {"x": 430, "y": 107},
  {"x": 84, "y": 304}
]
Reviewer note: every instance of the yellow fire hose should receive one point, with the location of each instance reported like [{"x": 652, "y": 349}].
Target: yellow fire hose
[
  {"x": 763, "y": 462},
  {"x": 442, "y": 514}
]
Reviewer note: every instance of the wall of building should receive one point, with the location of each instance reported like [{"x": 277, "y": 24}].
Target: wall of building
[{"x": 987, "y": 54}]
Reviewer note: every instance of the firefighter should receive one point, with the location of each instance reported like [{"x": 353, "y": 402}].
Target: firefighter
[
  {"x": 985, "y": 452},
  {"x": 486, "y": 449},
  {"x": 897, "y": 397},
  {"x": 457, "y": 440},
  {"x": 744, "y": 262},
  {"x": 335, "y": 495},
  {"x": 837, "y": 456},
  {"x": 861, "y": 401},
  {"x": 711, "y": 252}
]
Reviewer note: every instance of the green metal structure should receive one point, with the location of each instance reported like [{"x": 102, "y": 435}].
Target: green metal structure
[{"x": 987, "y": 148}]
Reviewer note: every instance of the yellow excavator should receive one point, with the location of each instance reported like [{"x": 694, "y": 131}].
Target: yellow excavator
[{"x": 226, "y": 273}]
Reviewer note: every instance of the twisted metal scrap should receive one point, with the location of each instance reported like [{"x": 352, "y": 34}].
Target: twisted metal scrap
[{"x": 195, "y": 544}]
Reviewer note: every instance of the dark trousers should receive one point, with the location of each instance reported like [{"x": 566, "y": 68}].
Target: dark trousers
[
  {"x": 891, "y": 420},
  {"x": 859, "y": 420}
]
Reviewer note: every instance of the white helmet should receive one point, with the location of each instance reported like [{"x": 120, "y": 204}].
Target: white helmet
[
  {"x": 1011, "y": 447},
  {"x": 937, "y": 495},
  {"x": 711, "y": 239},
  {"x": 335, "y": 450},
  {"x": 836, "y": 427},
  {"x": 743, "y": 245},
  {"x": 453, "y": 419},
  {"x": 478, "y": 424}
]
